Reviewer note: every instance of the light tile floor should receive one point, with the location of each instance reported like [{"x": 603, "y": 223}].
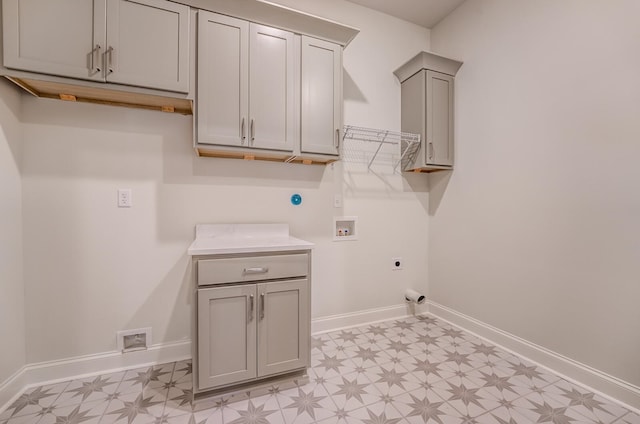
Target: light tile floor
[{"x": 416, "y": 370}]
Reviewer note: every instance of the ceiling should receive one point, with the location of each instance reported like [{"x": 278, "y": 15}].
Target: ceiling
[{"x": 426, "y": 13}]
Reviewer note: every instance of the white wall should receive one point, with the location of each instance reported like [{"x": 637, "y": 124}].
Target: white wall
[
  {"x": 92, "y": 269},
  {"x": 537, "y": 230},
  {"x": 12, "y": 310}
]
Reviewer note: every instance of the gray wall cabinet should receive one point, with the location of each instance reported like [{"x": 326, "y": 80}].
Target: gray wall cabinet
[
  {"x": 428, "y": 109},
  {"x": 246, "y": 84},
  {"x": 100, "y": 40},
  {"x": 321, "y": 114},
  {"x": 266, "y": 93}
]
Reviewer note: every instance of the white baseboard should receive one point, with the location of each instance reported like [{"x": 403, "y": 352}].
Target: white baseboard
[
  {"x": 574, "y": 371},
  {"x": 367, "y": 316},
  {"x": 86, "y": 366}
]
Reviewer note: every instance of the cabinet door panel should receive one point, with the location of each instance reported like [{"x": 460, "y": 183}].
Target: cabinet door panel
[
  {"x": 223, "y": 75},
  {"x": 321, "y": 96},
  {"x": 226, "y": 335},
  {"x": 272, "y": 85},
  {"x": 283, "y": 326},
  {"x": 54, "y": 37},
  {"x": 150, "y": 42},
  {"x": 439, "y": 110}
]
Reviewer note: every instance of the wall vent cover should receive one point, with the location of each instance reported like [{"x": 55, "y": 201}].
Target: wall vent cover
[{"x": 132, "y": 340}]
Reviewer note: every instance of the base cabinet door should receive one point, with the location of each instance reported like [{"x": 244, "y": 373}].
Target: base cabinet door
[
  {"x": 226, "y": 335},
  {"x": 283, "y": 326},
  {"x": 321, "y": 104}
]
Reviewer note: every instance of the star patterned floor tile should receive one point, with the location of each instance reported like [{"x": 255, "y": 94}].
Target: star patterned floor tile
[
  {"x": 378, "y": 413},
  {"x": 332, "y": 364},
  {"x": 424, "y": 406},
  {"x": 85, "y": 413},
  {"x": 352, "y": 391},
  {"x": 587, "y": 404},
  {"x": 264, "y": 410},
  {"x": 306, "y": 404},
  {"x": 414, "y": 370},
  {"x": 392, "y": 379}
]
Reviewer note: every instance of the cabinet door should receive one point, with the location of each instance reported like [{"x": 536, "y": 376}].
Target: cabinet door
[
  {"x": 223, "y": 78},
  {"x": 321, "y": 115},
  {"x": 148, "y": 44},
  {"x": 283, "y": 326},
  {"x": 272, "y": 88},
  {"x": 57, "y": 37},
  {"x": 439, "y": 119},
  {"x": 226, "y": 335}
]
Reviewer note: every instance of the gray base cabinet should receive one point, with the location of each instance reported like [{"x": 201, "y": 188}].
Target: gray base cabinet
[
  {"x": 247, "y": 331},
  {"x": 428, "y": 109}
]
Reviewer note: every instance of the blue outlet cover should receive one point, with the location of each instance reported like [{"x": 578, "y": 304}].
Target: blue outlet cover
[{"x": 296, "y": 199}]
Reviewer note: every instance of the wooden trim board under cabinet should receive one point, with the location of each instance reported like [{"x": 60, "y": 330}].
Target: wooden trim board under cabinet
[
  {"x": 283, "y": 157},
  {"x": 103, "y": 96}
]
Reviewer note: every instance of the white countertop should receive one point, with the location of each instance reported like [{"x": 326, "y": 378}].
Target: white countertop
[{"x": 216, "y": 239}]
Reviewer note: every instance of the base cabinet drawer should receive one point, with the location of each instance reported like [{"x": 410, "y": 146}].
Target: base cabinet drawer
[
  {"x": 252, "y": 331},
  {"x": 255, "y": 268}
]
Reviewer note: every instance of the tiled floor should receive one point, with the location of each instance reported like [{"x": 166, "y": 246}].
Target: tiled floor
[{"x": 417, "y": 370}]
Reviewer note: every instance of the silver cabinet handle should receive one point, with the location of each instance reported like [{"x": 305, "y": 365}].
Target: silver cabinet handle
[
  {"x": 244, "y": 137},
  {"x": 261, "y": 305},
  {"x": 337, "y": 143},
  {"x": 251, "y": 307},
  {"x": 262, "y": 270},
  {"x": 253, "y": 132},
  {"x": 431, "y": 150},
  {"x": 108, "y": 54},
  {"x": 92, "y": 59}
]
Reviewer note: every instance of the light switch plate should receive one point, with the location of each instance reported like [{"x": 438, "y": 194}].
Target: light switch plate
[{"x": 337, "y": 201}]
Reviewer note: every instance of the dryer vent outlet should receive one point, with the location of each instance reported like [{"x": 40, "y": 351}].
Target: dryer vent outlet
[{"x": 132, "y": 340}]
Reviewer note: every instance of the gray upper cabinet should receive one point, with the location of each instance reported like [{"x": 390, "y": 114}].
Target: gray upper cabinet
[
  {"x": 246, "y": 84},
  {"x": 321, "y": 113},
  {"x": 428, "y": 109},
  {"x": 148, "y": 44},
  {"x": 143, "y": 43},
  {"x": 57, "y": 37}
]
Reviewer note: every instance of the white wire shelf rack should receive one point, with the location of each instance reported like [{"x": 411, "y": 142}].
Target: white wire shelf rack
[{"x": 403, "y": 146}]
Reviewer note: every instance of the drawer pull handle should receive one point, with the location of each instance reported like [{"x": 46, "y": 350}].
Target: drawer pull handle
[
  {"x": 262, "y": 270},
  {"x": 261, "y": 305}
]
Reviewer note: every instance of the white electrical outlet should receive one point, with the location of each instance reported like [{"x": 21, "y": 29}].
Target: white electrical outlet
[
  {"x": 124, "y": 198},
  {"x": 396, "y": 264}
]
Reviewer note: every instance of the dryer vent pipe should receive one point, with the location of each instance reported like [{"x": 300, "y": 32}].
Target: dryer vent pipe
[{"x": 413, "y": 296}]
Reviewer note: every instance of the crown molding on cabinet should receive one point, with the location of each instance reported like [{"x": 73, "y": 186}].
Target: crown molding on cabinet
[
  {"x": 427, "y": 60},
  {"x": 275, "y": 15}
]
